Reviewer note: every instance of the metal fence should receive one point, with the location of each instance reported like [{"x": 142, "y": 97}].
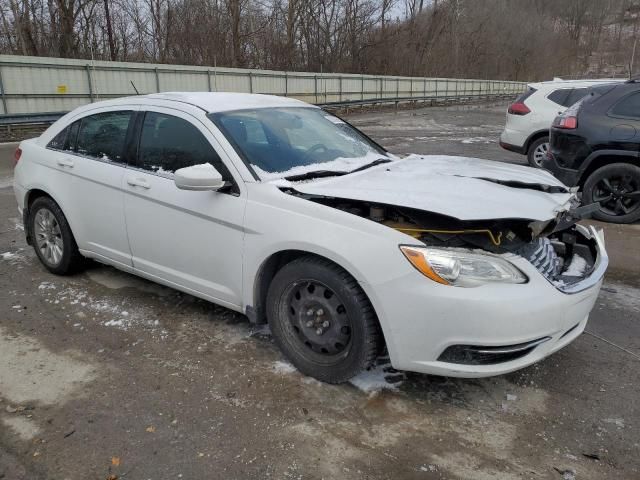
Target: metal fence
[{"x": 36, "y": 85}]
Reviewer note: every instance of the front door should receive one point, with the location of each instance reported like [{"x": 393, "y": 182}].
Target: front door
[{"x": 191, "y": 239}]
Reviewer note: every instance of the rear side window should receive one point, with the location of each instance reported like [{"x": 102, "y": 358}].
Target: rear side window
[
  {"x": 628, "y": 107},
  {"x": 66, "y": 139},
  {"x": 559, "y": 96},
  {"x": 523, "y": 96},
  {"x": 567, "y": 96},
  {"x": 103, "y": 135},
  {"x": 169, "y": 143},
  {"x": 575, "y": 95}
]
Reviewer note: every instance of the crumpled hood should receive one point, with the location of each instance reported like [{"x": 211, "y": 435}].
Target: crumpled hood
[{"x": 460, "y": 187}]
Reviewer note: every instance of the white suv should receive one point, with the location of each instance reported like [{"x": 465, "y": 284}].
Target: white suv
[
  {"x": 276, "y": 209},
  {"x": 530, "y": 116}
]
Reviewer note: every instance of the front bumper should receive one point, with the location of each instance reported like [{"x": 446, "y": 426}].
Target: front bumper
[{"x": 422, "y": 319}]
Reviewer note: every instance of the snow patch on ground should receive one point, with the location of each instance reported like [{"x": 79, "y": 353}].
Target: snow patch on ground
[
  {"x": 12, "y": 257},
  {"x": 379, "y": 377},
  {"x": 117, "y": 314},
  {"x": 618, "y": 422},
  {"x": 477, "y": 140},
  {"x": 283, "y": 367},
  {"x": 374, "y": 380}
]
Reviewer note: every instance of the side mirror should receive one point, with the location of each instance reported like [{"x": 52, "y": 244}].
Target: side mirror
[{"x": 198, "y": 177}]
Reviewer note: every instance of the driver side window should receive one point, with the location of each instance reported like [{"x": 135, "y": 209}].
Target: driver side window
[{"x": 168, "y": 143}]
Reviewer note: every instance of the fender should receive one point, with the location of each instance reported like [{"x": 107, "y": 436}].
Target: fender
[
  {"x": 25, "y": 210},
  {"x": 531, "y": 138},
  {"x": 593, "y": 156}
]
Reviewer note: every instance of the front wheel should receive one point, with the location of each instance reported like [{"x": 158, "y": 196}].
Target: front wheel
[
  {"x": 616, "y": 188},
  {"x": 322, "y": 320},
  {"x": 537, "y": 152}
]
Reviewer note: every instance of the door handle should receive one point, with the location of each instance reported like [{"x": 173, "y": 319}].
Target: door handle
[
  {"x": 138, "y": 182},
  {"x": 65, "y": 162}
]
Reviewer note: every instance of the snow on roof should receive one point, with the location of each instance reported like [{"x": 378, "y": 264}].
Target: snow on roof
[
  {"x": 574, "y": 83},
  {"x": 226, "y": 101}
]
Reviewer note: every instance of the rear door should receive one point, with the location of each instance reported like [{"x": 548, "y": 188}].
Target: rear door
[
  {"x": 191, "y": 239},
  {"x": 624, "y": 120},
  {"x": 91, "y": 151}
]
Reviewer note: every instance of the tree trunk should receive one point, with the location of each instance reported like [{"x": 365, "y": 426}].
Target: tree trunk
[{"x": 112, "y": 45}]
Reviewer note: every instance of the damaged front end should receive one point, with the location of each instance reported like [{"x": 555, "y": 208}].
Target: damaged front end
[{"x": 564, "y": 252}]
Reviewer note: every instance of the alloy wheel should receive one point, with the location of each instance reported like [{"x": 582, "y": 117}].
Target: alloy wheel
[
  {"x": 618, "y": 194},
  {"x": 540, "y": 153},
  {"x": 48, "y": 237}
]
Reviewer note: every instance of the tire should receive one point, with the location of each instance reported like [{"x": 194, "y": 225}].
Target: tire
[
  {"x": 537, "y": 150},
  {"x": 52, "y": 238},
  {"x": 310, "y": 295},
  {"x": 617, "y": 188}
]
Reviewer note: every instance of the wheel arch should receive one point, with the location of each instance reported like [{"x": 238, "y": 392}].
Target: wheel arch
[
  {"x": 30, "y": 196},
  {"x": 271, "y": 265},
  {"x": 277, "y": 260},
  {"x": 597, "y": 160},
  {"x": 533, "y": 137}
]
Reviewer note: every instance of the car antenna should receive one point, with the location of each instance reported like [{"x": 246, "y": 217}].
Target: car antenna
[{"x": 134, "y": 87}]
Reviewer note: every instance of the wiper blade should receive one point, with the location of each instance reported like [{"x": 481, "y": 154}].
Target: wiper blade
[
  {"x": 315, "y": 174},
  {"x": 333, "y": 173},
  {"x": 372, "y": 164}
]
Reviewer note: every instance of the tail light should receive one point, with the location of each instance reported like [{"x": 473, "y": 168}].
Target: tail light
[
  {"x": 567, "y": 123},
  {"x": 16, "y": 156},
  {"x": 518, "y": 108}
]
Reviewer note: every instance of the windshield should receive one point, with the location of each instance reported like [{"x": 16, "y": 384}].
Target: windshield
[{"x": 295, "y": 141}]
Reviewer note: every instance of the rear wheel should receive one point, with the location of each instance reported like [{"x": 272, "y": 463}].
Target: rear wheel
[
  {"x": 537, "y": 151},
  {"x": 52, "y": 238},
  {"x": 322, "y": 320},
  {"x": 616, "y": 188}
]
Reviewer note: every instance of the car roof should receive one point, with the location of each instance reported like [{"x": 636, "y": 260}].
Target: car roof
[
  {"x": 210, "y": 102},
  {"x": 553, "y": 84}
]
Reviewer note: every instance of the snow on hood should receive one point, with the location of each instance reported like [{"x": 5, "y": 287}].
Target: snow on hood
[{"x": 460, "y": 187}]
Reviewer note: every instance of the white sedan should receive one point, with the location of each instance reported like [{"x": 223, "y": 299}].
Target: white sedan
[{"x": 277, "y": 209}]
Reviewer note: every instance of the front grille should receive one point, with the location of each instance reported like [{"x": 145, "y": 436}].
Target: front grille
[
  {"x": 543, "y": 256},
  {"x": 480, "y": 355}
]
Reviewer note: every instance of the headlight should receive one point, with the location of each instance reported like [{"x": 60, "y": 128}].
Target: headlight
[{"x": 462, "y": 268}]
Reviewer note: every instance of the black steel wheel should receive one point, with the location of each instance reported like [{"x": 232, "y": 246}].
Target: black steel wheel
[
  {"x": 322, "y": 320},
  {"x": 616, "y": 188}
]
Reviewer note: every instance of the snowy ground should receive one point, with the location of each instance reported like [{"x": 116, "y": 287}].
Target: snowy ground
[{"x": 104, "y": 375}]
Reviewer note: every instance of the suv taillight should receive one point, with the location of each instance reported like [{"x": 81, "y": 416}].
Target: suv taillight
[
  {"x": 518, "y": 108},
  {"x": 567, "y": 123},
  {"x": 16, "y": 156}
]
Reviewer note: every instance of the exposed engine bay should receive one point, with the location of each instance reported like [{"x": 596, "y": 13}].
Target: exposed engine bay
[{"x": 556, "y": 247}]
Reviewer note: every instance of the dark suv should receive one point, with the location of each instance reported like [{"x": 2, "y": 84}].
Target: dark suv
[{"x": 595, "y": 144}]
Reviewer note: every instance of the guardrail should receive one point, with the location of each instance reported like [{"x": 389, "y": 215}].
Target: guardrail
[
  {"x": 32, "y": 85},
  {"x": 29, "y": 118},
  {"x": 50, "y": 117}
]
